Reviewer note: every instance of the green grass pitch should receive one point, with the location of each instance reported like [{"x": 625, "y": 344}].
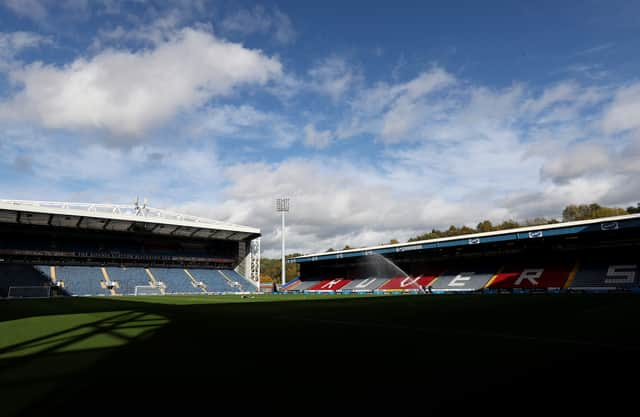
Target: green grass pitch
[{"x": 287, "y": 353}]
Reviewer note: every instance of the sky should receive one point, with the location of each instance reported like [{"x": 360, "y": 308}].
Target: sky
[{"x": 379, "y": 120}]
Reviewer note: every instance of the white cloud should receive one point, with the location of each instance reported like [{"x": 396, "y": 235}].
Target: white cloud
[
  {"x": 244, "y": 122},
  {"x": 333, "y": 202},
  {"x": 559, "y": 93},
  {"x": 392, "y": 112},
  {"x": 33, "y": 9},
  {"x": 624, "y": 112},
  {"x": 158, "y": 31},
  {"x": 260, "y": 20},
  {"x": 12, "y": 43},
  {"x": 112, "y": 174},
  {"x": 317, "y": 138},
  {"x": 436, "y": 150},
  {"x": 583, "y": 160},
  {"x": 126, "y": 92},
  {"x": 333, "y": 77}
]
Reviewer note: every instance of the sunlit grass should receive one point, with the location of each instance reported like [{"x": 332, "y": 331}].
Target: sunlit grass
[{"x": 71, "y": 332}]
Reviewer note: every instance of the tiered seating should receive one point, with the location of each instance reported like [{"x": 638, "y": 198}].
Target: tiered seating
[
  {"x": 364, "y": 285},
  {"x": 472, "y": 278},
  {"x": 81, "y": 280},
  {"x": 244, "y": 283},
  {"x": 214, "y": 280},
  {"x": 600, "y": 275},
  {"x": 305, "y": 285},
  {"x": 291, "y": 284},
  {"x": 128, "y": 279},
  {"x": 531, "y": 276},
  {"x": 176, "y": 281},
  {"x": 408, "y": 283},
  {"x": 330, "y": 285},
  {"x": 21, "y": 276}
]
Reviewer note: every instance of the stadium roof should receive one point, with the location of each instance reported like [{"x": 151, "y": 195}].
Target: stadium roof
[
  {"x": 120, "y": 218},
  {"x": 531, "y": 232}
]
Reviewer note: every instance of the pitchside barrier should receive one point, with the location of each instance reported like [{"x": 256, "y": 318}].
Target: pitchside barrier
[{"x": 29, "y": 292}]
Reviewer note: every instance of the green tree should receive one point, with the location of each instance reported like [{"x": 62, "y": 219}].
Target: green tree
[
  {"x": 507, "y": 224},
  {"x": 574, "y": 212},
  {"x": 570, "y": 213},
  {"x": 633, "y": 210},
  {"x": 270, "y": 269},
  {"x": 484, "y": 226}
]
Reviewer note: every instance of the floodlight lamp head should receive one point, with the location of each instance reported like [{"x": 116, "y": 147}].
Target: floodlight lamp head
[{"x": 282, "y": 204}]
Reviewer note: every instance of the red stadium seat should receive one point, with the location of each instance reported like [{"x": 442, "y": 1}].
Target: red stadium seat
[
  {"x": 330, "y": 284},
  {"x": 537, "y": 276},
  {"x": 407, "y": 283}
]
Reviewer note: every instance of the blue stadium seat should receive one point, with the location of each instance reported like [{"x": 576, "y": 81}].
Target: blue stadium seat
[
  {"x": 21, "y": 276},
  {"x": 81, "y": 280},
  {"x": 242, "y": 281},
  {"x": 176, "y": 281},
  {"x": 128, "y": 279},
  {"x": 214, "y": 280}
]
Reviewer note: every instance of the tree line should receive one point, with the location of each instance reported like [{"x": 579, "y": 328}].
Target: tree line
[
  {"x": 572, "y": 212},
  {"x": 270, "y": 269}
]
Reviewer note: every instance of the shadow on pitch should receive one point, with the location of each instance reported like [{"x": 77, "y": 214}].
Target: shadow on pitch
[{"x": 300, "y": 357}]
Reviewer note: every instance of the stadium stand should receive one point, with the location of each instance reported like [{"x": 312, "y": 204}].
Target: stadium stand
[
  {"x": 329, "y": 285},
  {"x": 92, "y": 280},
  {"x": 531, "y": 276},
  {"x": 470, "y": 278},
  {"x": 408, "y": 283},
  {"x": 291, "y": 284},
  {"x": 109, "y": 248},
  {"x": 82, "y": 280},
  {"x": 21, "y": 276},
  {"x": 239, "y": 279},
  {"x": 214, "y": 281},
  {"x": 175, "y": 280},
  {"x": 585, "y": 254},
  {"x": 364, "y": 285},
  {"x": 304, "y": 285},
  {"x": 128, "y": 279},
  {"x": 620, "y": 274}
]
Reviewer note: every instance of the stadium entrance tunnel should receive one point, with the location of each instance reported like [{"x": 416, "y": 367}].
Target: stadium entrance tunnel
[{"x": 73, "y": 332}]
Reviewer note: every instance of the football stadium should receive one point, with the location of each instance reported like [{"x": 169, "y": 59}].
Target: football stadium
[
  {"x": 456, "y": 227},
  {"x": 130, "y": 306}
]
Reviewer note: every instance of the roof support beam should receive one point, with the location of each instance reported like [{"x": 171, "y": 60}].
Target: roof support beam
[
  {"x": 175, "y": 230},
  {"x": 18, "y": 217},
  {"x": 79, "y": 221},
  {"x": 104, "y": 226},
  {"x": 130, "y": 228},
  {"x": 194, "y": 232},
  {"x": 50, "y": 220}
]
